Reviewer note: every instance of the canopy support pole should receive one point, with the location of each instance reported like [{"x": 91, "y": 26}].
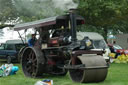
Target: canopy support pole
[{"x": 21, "y": 37}]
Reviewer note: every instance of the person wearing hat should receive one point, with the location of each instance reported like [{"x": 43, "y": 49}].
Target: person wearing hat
[{"x": 31, "y": 42}]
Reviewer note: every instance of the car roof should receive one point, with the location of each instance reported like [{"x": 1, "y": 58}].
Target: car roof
[
  {"x": 14, "y": 42},
  {"x": 91, "y": 35}
]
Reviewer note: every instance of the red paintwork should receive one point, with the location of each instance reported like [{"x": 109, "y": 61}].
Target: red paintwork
[
  {"x": 122, "y": 51},
  {"x": 54, "y": 42},
  {"x": 50, "y": 62}
]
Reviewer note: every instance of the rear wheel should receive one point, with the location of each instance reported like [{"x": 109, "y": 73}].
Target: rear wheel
[{"x": 33, "y": 62}]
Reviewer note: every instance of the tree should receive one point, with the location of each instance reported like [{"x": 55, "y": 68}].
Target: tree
[
  {"x": 105, "y": 14},
  {"x": 8, "y": 14}
]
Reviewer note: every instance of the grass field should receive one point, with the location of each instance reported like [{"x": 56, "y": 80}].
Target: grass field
[{"x": 117, "y": 75}]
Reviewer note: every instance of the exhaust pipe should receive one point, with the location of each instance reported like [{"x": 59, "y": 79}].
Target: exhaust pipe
[{"x": 72, "y": 16}]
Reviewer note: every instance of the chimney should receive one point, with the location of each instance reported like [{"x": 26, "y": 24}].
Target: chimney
[{"x": 72, "y": 16}]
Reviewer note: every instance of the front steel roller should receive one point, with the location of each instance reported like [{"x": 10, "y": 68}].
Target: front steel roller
[
  {"x": 32, "y": 62},
  {"x": 95, "y": 69}
]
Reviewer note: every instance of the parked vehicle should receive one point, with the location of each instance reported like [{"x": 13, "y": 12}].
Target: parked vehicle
[
  {"x": 10, "y": 50},
  {"x": 118, "y": 50},
  {"x": 98, "y": 42}
]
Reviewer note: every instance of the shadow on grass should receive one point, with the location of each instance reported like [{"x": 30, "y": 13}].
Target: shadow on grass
[
  {"x": 5, "y": 62},
  {"x": 48, "y": 76}
]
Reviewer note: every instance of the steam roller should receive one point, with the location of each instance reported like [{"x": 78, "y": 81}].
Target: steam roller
[
  {"x": 93, "y": 69},
  {"x": 87, "y": 68},
  {"x": 58, "y": 50}
]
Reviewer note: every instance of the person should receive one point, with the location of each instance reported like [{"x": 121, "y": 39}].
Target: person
[
  {"x": 31, "y": 42},
  {"x": 114, "y": 42}
]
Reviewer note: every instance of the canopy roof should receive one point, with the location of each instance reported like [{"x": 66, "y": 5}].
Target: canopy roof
[
  {"x": 45, "y": 22},
  {"x": 36, "y": 24}
]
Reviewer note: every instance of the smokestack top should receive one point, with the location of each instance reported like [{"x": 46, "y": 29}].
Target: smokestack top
[{"x": 73, "y": 10}]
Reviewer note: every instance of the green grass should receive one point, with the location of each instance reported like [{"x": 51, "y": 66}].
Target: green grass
[{"x": 117, "y": 75}]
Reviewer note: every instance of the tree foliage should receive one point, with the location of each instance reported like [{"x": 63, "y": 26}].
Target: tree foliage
[
  {"x": 102, "y": 12},
  {"x": 7, "y": 11},
  {"x": 103, "y": 15}
]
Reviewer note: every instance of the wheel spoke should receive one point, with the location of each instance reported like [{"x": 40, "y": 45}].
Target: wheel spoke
[
  {"x": 34, "y": 69},
  {"x": 29, "y": 69},
  {"x": 34, "y": 65},
  {"x": 33, "y": 55},
  {"x": 35, "y": 60},
  {"x": 30, "y": 55},
  {"x": 27, "y": 58}
]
